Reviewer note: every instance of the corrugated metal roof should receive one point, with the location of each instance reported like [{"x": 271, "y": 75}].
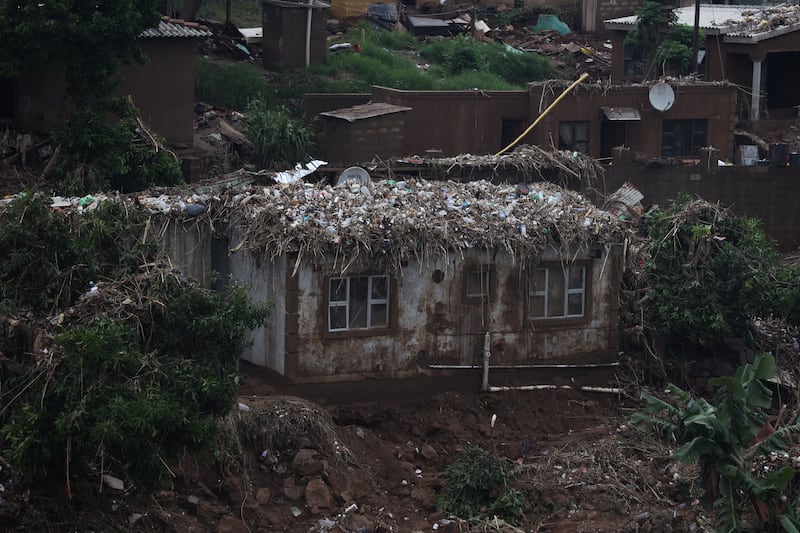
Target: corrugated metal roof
[
  {"x": 176, "y": 28},
  {"x": 738, "y": 23},
  {"x": 361, "y": 112},
  {"x": 621, "y": 113}
]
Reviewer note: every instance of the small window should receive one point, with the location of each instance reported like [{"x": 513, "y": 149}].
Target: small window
[
  {"x": 635, "y": 62},
  {"x": 683, "y": 138},
  {"x": 557, "y": 292},
  {"x": 478, "y": 283},
  {"x": 358, "y": 302},
  {"x": 574, "y": 136}
]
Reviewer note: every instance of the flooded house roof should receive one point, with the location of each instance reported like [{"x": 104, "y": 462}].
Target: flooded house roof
[
  {"x": 168, "y": 27},
  {"x": 739, "y": 23}
]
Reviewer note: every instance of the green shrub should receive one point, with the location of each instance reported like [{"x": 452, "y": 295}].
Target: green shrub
[
  {"x": 128, "y": 394},
  {"x": 723, "y": 439},
  {"x": 97, "y": 155},
  {"x": 278, "y": 139},
  {"x": 229, "y": 85},
  {"x": 708, "y": 271},
  {"x": 471, "y": 481},
  {"x": 475, "y": 80}
]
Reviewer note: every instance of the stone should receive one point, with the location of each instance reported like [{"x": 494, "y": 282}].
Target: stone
[
  {"x": 231, "y": 524},
  {"x": 292, "y": 490},
  {"x": 357, "y": 522},
  {"x": 429, "y": 453},
  {"x": 263, "y": 495},
  {"x": 305, "y": 463},
  {"x": 318, "y": 495},
  {"x": 424, "y": 497},
  {"x": 192, "y": 502}
]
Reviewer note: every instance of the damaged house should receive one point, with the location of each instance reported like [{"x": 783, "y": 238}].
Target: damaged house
[{"x": 415, "y": 279}]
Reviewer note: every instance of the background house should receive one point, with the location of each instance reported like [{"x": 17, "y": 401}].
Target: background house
[
  {"x": 757, "y": 47},
  {"x": 163, "y": 89}
]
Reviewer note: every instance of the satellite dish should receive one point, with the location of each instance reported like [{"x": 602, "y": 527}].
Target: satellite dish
[
  {"x": 661, "y": 96},
  {"x": 353, "y": 175}
]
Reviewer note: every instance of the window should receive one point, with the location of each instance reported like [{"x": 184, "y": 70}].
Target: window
[
  {"x": 574, "y": 136},
  {"x": 635, "y": 62},
  {"x": 478, "y": 284},
  {"x": 358, "y": 302},
  {"x": 683, "y": 138},
  {"x": 557, "y": 292}
]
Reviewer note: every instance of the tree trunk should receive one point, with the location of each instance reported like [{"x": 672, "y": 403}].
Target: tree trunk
[{"x": 190, "y": 9}]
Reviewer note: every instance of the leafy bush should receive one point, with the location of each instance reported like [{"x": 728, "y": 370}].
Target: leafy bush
[
  {"x": 50, "y": 257},
  {"x": 464, "y": 54},
  {"x": 229, "y": 85},
  {"x": 128, "y": 394},
  {"x": 724, "y": 438},
  {"x": 98, "y": 156},
  {"x": 709, "y": 271},
  {"x": 471, "y": 481},
  {"x": 278, "y": 139}
]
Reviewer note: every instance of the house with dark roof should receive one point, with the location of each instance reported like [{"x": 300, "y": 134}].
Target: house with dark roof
[{"x": 162, "y": 89}]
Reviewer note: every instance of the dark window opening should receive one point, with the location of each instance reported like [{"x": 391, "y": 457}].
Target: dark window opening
[
  {"x": 635, "y": 62},
  {"x": 683, "y": 138},
  {"x": 574, "y": 136},
  {"x": 358, "y": 302},
  {"x": 557, "y": 292}
]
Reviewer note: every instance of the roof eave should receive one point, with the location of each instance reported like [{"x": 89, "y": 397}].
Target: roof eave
[{"x": 762, "y": 36}]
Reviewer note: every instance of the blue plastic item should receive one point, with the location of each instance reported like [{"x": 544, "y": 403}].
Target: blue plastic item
[{"x": 550, "y": 22}]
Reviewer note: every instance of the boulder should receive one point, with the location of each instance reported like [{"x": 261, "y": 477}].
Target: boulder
[{"x": 318, "y": 495}]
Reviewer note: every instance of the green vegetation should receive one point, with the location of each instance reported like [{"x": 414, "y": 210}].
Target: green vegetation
[
  {"x": 140, "y": 368},
  {"x": 710, "y": 271},
  {"x": 85, "y": 43},
  {"x": 725, "y": 437},
  {"x": 278, "y": 139},
  {"x": 667, "y": 45},
  {"x": 229, "y": 85},
  {"x": 472, "y": 480}
]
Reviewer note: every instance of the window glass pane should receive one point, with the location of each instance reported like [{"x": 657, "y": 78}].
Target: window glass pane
[
  {"x": 539, "y": 277},
  {"x": 537, "y": 306},
  {"x": 575, "y": 277},
  {"x": 338, "y": 290},
  {"x": 380, "y": 315},
  {"x": 358, "y": 302},
  {"x": 338, "y": 317},
  {"x": 379, "y": 287},
  {"x": 565, "y": 134},
  {"x": 555, "y": 300},
  {"x": 581, "y": 131},
  {"x": 478, "y": 283},
  {"x": 575, "y": 304}
]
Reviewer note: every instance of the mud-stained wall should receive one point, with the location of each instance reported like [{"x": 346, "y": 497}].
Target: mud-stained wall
[{"x": 435, "y": 328}]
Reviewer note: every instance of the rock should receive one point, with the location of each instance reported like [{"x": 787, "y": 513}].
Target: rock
[
  {"x": 318, "y": 495},
  {"x": 357, "y": 522},
  {"x": 305, "y": 463},
  {"x": 231, "y": 490},
  {"x": 192, "y": 503},
  {"x": 263, "y": 495},
  {"x": 231, "y": 524},
  {"x": 429, "y": 453},
  {"x": 292, "y": 490}
]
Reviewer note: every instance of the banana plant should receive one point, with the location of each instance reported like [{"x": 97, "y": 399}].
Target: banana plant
[{"x": 724, "y": 437}]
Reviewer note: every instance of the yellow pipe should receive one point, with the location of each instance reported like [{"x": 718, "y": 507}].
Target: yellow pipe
[{"x": 540, "y": 117}]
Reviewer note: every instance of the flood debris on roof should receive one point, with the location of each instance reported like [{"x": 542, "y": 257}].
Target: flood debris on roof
[
  {"x": 527, "y": 161},
  {"x": 168, "y": 27}
]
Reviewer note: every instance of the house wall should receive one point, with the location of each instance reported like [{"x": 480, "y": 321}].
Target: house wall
[
  {"x": 715, "y": 103},
  {"x": 435, "y": 328},
  {"x": 163, "y": 88},
  {"x": 40, "y": 101},
  {"x": 455, "y": 122},
  {"x": 284, "y": 42},
  {"x": 345, "y": 142},
  {"x": 768, "y": 193}
]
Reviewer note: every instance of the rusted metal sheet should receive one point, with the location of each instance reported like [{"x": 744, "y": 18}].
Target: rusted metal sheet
[{"x": 361, "y": 112}]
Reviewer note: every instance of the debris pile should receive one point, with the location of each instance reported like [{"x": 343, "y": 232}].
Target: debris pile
[
  {"x": 767, "y": 18},
  {"x": 390, "y": 221},
  {"x": 528, "y": 162}
]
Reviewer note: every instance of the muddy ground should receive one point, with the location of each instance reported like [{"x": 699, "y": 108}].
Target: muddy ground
[{"x": 378, "y": 466}]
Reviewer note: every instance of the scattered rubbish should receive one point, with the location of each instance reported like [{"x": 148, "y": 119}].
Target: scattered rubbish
[
  {"x": 113, "y": 482},
  {"x": 551, "y": 22},
  {"x": 345, "y": 47},
  {"x": 243, "y": 407},
  {"x": 296, "y": 511}
]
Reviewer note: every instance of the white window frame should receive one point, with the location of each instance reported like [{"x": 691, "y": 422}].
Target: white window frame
[
  {"x": 346, "y": 302},
  {"x": 543, "y": 292}
]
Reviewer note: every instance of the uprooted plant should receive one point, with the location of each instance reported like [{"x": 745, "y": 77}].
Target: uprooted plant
[
  {"x": 477, "y": 487},
  {"x": 725, "y": 437}
]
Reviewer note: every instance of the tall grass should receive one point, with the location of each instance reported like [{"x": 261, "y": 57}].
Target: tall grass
[
  {"x": 278, "y": 139},
  {"x": 230, "y": 85}
]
